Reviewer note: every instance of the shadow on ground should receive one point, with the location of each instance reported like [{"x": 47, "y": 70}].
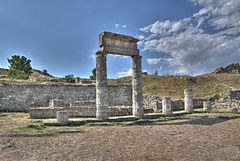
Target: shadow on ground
[{"x": 200, "y": 121}]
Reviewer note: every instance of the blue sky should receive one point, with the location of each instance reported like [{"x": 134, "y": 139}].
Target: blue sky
[{"x": 176, "y": 36}]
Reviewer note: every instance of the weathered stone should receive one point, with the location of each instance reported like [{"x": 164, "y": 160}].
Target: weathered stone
[
  {"x": 118, "y": 44},
  {"x": 231, "y": 68},
  {"x": 137, "y": 87},
  {"x": 188, "y": 100},
  {"x": 157, "y": 107},
  {"x": 207, "y": 106},
  {"x": 83, "y": 111},
  {"x": 101, "y": 86},
  {"x": 166, "y": 106},
  {"x": 56, "y": 103},
  {"x": 83, "y": 103},
  {"x": 23, "y": 97},
  {"x": 62, "y": 116}
]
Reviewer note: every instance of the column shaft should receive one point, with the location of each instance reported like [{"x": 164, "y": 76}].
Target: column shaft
[
  {"x": 101, "y": 86},
  {"x": 166, "y": 106},
  {"x": 188, "y": 100},
  {"x": 137, "y": 96}
]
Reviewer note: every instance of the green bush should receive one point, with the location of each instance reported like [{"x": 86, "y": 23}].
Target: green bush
[{"x": 17, "y": 74}]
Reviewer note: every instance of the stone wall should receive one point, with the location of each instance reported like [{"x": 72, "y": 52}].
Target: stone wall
[
  {"x": 46, "y": 112},
  {"x": 24, "y": 97},
  {"x": 229, "y": 101}
]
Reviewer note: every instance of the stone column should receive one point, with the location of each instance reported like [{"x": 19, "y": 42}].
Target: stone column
[
  {"x": 137, "y": 96},
  {"x": 207, "y": 106},
  {"x": 166, "y": 106},
  {"x": 188, "y": 100},
  {"x": 101, "y": 86}
]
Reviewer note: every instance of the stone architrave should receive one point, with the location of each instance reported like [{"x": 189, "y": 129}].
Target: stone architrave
[
  {"x": 101, "y": 86},
  {"x": 62, "y": 116},
  {"x": 188, "y": 100},
  {"x": 118, "y": 44},
  {"x": 207, "y": 106},
  {"x": 111, "y": 43},
  {"x": 166, "y": 106}
]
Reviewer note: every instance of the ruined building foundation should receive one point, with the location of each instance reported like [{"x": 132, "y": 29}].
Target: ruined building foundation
[{"x": 117, "y": 44}]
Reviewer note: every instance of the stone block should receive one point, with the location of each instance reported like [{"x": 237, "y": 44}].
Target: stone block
[
  {"x": 118, "y": 44},
  {"x": 207, "y": 106},
  {"x": 56, "y": 103},
  {"x": 62, "y": 116},
  {"x": 82, "y": 103},
  {"x": 157, "y": 107}
]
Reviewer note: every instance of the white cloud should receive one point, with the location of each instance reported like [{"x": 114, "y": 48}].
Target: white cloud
[
  {"x": 191, "y": 49},
  {"x": 116, "y": 25},
  {"x": 145, "y": 70},
  {"x": 125, "y": 73},
  {"x": 124, "y": 26},
  {"x": 153, "y": 61}
]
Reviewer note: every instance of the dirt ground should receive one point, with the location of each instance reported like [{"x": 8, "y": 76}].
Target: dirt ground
[{"x": 181, "y": 140}]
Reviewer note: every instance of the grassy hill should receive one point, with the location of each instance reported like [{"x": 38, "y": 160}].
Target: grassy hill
[{"x": 204, "y": 86}]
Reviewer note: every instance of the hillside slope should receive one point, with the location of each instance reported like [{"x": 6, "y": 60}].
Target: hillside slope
[{"x": 204, "y": 86}]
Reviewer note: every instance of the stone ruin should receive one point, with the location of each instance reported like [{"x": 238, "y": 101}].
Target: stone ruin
[
  {"x": 117, "y": 44},
  {"x": 230, "y": 101},
  {"x": 231, "y": 68}
]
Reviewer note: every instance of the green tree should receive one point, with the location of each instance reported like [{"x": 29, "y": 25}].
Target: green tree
[
  {"x": 20, "y": 67},
  {"x": 93, "y": 76},
  {"x": 156, "y": 72},
  {"x": 69, "y": 78}
]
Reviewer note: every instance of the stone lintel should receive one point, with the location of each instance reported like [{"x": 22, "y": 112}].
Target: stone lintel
[
  {"x": 118, "y": 44},
  {"x": 115, "y": 36}
]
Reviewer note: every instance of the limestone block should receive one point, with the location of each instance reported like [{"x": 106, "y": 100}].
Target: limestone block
[
  {"x": 166, "y": 106},
  {"x": 62, "y": 116},
  {"x": 56, "y": 103},
  {"x": 207, "y": 106},
  {"x": 118, "y": 44},
  {"x": 82, "y": 103}
]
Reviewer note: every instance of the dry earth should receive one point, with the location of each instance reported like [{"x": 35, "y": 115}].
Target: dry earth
[{"x": 180, "y": 140}]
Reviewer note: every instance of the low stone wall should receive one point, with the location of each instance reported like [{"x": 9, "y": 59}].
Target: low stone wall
[
  {"x": 229, "y": 101},
  {"x": 47, "y": 112},
  {"x": 24, "y": 97}
]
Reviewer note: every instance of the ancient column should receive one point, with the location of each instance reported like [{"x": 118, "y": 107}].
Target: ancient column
[
  {"x": 137, "y": 96},
  {"x": 101, "y": 86},
  {"x": 188, "y": 100},
  {"x": 207, "y": 106},
  {"x": 166, "y": 106}
]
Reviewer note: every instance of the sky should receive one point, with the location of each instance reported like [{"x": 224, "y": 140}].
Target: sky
[{"x": 177, "y": 37}]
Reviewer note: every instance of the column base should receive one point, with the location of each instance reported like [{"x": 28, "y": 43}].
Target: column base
[{"x": 102, "y": 114}]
